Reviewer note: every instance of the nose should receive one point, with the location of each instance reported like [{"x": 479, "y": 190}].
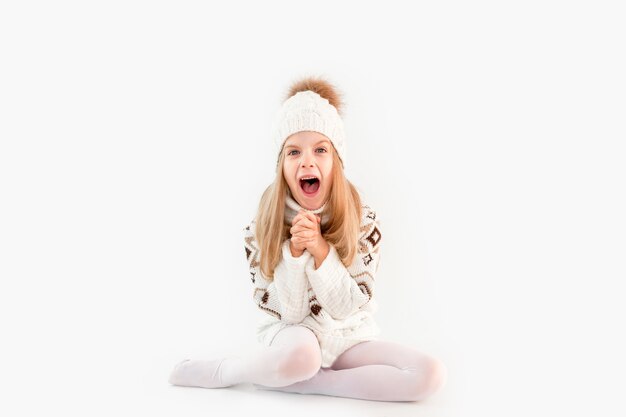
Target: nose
[{"x": 306, "y": 160}]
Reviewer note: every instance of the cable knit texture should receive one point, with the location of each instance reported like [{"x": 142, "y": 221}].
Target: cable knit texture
[{"x": 335, "y": 302}]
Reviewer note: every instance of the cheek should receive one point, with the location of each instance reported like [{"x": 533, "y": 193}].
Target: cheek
[
  {"x": 290, "y": 177},
  {"x": 287, "y": 173},
  {"x": 328, "y": 172}
]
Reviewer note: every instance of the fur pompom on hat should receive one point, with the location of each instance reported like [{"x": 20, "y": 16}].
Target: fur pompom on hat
[{"x": 312, "y": 104}]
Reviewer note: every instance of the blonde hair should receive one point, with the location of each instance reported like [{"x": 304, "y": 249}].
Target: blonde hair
[
  {"x": 343, "y": 207},
  {"x": 342, "y": 229}
]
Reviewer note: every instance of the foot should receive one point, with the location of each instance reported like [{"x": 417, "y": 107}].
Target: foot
[{"x": 198, "y": 373}]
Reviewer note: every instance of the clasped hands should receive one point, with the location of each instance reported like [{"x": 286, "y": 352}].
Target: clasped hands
[{"x": 306, "y": 234}]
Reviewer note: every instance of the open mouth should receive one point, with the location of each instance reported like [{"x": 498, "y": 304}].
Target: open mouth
[{"x": 310, "y": 186}]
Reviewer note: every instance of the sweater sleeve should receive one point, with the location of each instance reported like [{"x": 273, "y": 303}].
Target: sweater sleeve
[
  {"x": 287, "y": 296},
  {"x": 342, "y": 291}
]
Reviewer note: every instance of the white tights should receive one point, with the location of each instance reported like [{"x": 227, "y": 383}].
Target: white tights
[{"x": 373, "y": 370}]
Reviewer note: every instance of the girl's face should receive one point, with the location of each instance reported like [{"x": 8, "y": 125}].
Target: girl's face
[{"x": 308, "y": 154}]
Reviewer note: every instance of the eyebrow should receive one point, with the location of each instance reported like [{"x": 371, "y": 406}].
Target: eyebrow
[{"x": 324, "y": 141}]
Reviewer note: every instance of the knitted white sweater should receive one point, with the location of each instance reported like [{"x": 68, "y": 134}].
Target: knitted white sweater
[{"x": 335, "y": 302}]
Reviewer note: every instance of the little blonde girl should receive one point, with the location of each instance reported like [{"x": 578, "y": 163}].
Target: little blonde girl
[{"x": 313, "y": 250}]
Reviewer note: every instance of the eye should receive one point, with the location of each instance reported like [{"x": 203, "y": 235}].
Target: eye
[{"x": 290, "y": 152}]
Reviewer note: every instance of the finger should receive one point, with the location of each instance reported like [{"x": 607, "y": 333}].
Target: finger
[
  {"x": 297, "y": 218},
  {"x": 310, "y": 216},
  {"x": 306, "y": 234},
  {"x": 301, "y": 227},
  {"x": 302, "y": 223},
  {"x": 300, "y": 241},
  {"x": 306, "y": 222},
  {"x": 316, "y": 220},
  {"x": 301, "y": 213},
  {"x": 297, "y": 229}
]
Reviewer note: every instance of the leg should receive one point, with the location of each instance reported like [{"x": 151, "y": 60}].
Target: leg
[
  {"x": 293, "y": 356},
  {"x": 377, "y": 370}
]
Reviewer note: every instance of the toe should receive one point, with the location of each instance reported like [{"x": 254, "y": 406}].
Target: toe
[{"x": 173, "y": 375}]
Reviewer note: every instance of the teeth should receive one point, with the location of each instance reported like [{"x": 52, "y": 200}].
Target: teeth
[{"x": 308, "y": 178}]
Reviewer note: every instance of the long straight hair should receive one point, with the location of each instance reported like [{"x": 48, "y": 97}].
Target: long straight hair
[{"x": 342, "y": 229}]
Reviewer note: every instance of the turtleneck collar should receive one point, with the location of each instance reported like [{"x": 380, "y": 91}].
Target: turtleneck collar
[{"x": 292, "y": 208}]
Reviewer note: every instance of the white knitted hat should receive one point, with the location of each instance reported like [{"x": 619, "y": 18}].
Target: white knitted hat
[{"x": 308, "y": 111}]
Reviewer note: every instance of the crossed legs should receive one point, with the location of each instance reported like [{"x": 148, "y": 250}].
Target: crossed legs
[{"x": 373, "y": 370}]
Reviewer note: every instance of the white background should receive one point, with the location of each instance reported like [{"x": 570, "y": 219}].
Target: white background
[{"x": 134, "y": 148}]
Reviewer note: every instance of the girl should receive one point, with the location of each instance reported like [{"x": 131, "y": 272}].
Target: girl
[{"x": 313, "y": 250}]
